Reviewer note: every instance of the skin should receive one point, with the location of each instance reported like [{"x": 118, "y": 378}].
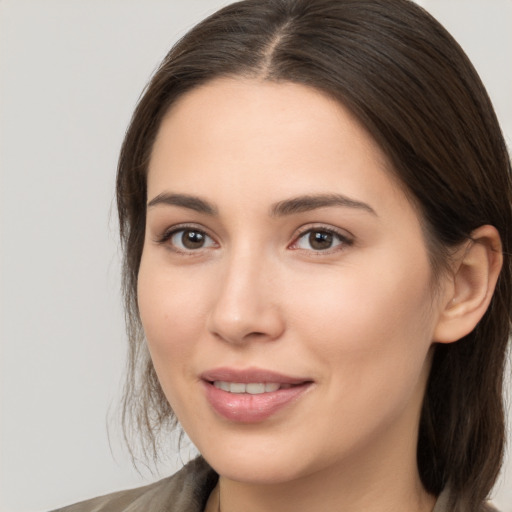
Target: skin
[{"x": 358, "y": 318}]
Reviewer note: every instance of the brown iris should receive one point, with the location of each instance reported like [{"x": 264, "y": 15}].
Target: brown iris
[
  {"x": 192, "y": 239},
  {"x": 320, "y": 240}
]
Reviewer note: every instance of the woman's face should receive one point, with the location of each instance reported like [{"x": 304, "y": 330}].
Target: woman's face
[{"x": 285, "y": 287}]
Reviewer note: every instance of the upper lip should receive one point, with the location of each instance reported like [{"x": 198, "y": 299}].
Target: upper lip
[{"x": 250, "y": 375}]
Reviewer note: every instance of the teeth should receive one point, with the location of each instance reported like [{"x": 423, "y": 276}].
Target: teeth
[
  {"x": 223, "y": 385},
  {"x": 253, "y": 388},
  {"x": 236, "y": 387}
]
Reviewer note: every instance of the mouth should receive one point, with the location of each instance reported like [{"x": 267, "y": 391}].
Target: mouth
[
  {"x": 252, "y": 388},
  {"x": 253, "y": 395}
]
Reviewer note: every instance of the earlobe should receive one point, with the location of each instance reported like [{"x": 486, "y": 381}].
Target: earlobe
[{"x": 476, "y": 272}]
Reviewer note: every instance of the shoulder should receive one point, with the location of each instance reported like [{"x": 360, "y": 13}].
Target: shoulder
[{"x": 185, "y": 491}]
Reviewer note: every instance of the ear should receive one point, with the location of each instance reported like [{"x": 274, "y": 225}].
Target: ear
[{"x": 468, "y": 294}]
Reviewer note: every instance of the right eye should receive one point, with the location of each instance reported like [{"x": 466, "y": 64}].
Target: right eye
[{"x": 188, "y": 239}]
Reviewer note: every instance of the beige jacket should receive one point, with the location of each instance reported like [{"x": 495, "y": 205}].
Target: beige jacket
[{"x": 186, "y": 491}]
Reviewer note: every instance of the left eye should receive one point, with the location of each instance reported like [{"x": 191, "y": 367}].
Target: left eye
[
  {"x": 190, "y": 239},
  {"x": 320, "y": 240}
]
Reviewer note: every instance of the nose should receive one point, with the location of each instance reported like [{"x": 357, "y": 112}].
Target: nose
[{"x": 246, "y": 305}]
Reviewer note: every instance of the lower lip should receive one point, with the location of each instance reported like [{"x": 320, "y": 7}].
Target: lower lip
[{"x": 247, "y": 408}]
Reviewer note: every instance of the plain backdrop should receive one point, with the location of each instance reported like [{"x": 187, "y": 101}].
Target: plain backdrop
[{"x": 70, "y": 75}]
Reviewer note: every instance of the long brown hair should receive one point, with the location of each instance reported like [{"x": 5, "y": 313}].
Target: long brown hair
[{"x": 413, "y": 88}]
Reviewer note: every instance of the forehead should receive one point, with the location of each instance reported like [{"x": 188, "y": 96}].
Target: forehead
[{"x": 265, "y": 138}]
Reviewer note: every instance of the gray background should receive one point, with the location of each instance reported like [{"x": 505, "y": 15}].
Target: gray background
[{"x": 70, "y": 74}]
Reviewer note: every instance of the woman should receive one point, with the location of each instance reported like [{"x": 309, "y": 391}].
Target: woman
[{"x": 314, "y": 200}]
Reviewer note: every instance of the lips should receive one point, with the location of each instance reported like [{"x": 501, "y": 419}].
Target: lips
[{"x": 251, "y": 395}]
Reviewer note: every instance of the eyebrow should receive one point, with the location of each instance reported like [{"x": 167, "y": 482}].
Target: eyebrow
[
  {"x": 185, "y": 201},
  {"x": 312, "y": 202},
  {"x": 298, "y": 204}
]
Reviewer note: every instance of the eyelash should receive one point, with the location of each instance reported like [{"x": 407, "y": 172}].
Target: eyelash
[
  {"x": 171, "y": 232},
  {"x": 342, "y": 238}
]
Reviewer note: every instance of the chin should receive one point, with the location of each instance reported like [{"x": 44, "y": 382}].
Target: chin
[
  {"x": 259, "y": 461},
  {"x": 264, "y": 470}
]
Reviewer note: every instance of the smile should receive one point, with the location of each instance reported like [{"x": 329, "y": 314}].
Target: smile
[
  {"x": 252, "y": 388},
  {"x": 252, "y": 395}
]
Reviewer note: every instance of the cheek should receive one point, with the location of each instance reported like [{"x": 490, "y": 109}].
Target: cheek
[
  {"x": 374, "y": 349},
  {"x": 172, "y": 314},
  {"x": 372, "y": 328}
]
